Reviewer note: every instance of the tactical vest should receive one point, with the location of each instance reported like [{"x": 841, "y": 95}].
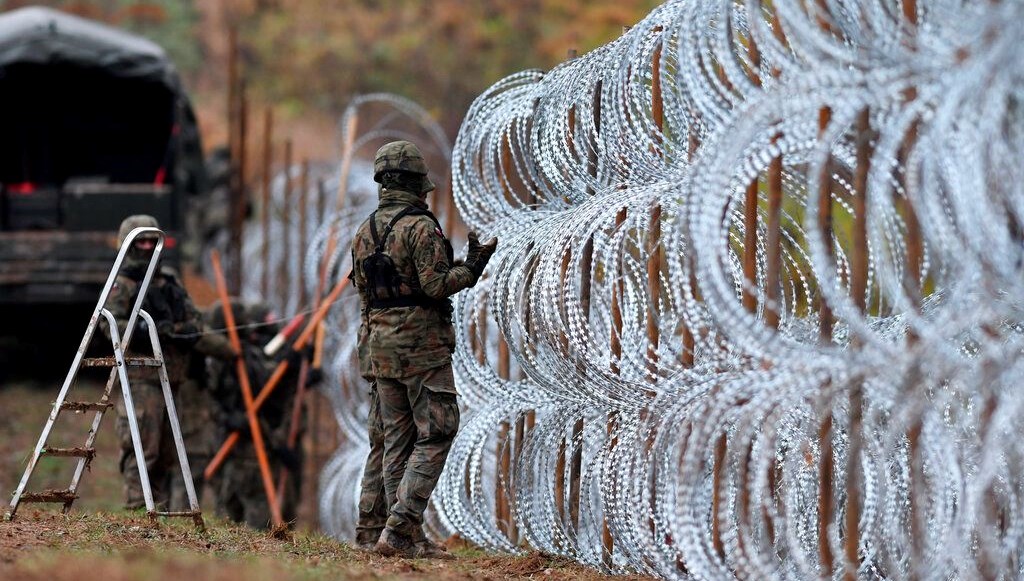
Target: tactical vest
[{"x": 382, "y": 277}]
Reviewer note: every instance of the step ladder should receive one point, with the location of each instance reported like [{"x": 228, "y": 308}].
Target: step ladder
[{"x": 119, "y": 364}]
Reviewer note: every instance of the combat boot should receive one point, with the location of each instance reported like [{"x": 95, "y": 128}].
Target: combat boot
[
  {"x": 367, "y": 540},
  {"x": 394, "y": 544},
  {"x": 428, "y": 550}
]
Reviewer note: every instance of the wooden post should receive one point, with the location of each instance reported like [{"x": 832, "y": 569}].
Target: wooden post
[
  {"x": 503, "y": 509},
  {"x": 303, "y": 231},
  {"x": 826, "y": 322},
  {"x": 716, "y": 498},
  {"x": 321, "y": 200},
  {"x": 268, "y": 161},
  {"x": 332, "y": 239},
  {"x": 858, "y": 288},
  {"x": 913, "y": 288},
  {"x": 773, "y": 243},
  {"x": 235, "y": 187},
  {"x": 910, "y": 11},
  {"x": 284, "y": 278},
  {"x": 517, "y": 451},
  {"x": 689, "y": 339},
  {"x": 242, "y": 197},
  {"x": 656, "y": 257}
]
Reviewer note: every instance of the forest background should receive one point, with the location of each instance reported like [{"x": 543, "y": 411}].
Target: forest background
[{"x": 308, "y": 58}]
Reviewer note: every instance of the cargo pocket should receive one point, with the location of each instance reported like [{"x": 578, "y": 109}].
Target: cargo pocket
[{"x": 444, "y": 415}]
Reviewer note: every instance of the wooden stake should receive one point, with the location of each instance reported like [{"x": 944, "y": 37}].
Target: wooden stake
[
  {"x": 303, "y": 230},
  {"x": 503, "y": 509},
  {"x": 275, "y": 377},
  {"x": 268, "y": 161},
  {"x": 250, "y": 407},
  {"x": 773, "y": 266},
  {"x": 858, "y": 288},
  {"x": 283, "y": 275},
  {"x": 826, "y": 466}
]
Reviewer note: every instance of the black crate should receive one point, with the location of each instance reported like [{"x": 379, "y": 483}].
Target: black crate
[
  {"x": 31, "y": 209},
  {"x": 98, "y": 207}
]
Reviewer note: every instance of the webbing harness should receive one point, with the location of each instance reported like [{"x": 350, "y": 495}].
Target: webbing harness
[{"x": 381, "y": 273}]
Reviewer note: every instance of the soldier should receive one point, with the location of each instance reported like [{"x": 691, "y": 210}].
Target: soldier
[
  {"x": 239, "y": 486},
  {"x": 404, "y": 271},
  {"x": 182, "y": 339}
]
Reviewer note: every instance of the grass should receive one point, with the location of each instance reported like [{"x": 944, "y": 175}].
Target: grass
[
  {"x": 126, "y": 545},
  {"x": 99, "y": 540}
]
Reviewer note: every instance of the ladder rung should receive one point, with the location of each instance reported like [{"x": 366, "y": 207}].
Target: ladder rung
[
  {"x": 129, "y": 361},
  {"x": 49, "y": 496},
  {"x": 72, "y": 452},
  {"x": 86, "y": 406},
  {"x": 188, "y": 513}
]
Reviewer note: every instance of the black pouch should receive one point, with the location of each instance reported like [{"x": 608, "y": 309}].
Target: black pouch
[
  {"x": 379, "y": 269},
  {"x": 381, "y": 275}
]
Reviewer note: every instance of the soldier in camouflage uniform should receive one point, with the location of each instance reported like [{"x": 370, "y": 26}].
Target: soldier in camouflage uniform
[
  {"x": 404, "y": 270},
  {"x": 239, "y": 485},
  {"x": 184, "y": 344}
]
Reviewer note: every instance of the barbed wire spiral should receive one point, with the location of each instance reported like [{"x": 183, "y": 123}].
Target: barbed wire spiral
[
  {"x": 755, "y": 311},
  {"x": 759, "y": 279}
]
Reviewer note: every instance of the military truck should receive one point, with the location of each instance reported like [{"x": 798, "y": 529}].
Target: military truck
[{"x": 94, "y": 126}]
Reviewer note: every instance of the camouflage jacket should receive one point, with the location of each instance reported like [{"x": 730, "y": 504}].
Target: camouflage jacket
[
  {"x": 180, "y": 326},
  {"x": 402, "y": 341}
]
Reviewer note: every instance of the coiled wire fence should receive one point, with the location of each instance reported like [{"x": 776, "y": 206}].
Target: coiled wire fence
[{"x": 755, "y": 310}]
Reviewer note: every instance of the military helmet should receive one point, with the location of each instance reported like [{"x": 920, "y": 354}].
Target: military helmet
[
  {"x": 258, "y": 312},
  {"x": 214, "y": 314},
  {"x": 137, "y": 221},
  {"x": 398, "y": 156}
]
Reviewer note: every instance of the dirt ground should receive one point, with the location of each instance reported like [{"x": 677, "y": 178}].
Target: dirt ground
[
  {"x": 121, "y": 546},
  {"x": 101, "y": 540}
]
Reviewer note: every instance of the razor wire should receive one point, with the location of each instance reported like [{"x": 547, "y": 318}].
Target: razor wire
[
  {"x": 755, "y": 307},
  {"x": 721, "y": 384}
]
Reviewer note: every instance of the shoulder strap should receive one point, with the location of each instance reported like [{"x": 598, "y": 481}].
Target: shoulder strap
[
  {"x": 373, "y": 231},
  {"x": 407, "y": 211}
]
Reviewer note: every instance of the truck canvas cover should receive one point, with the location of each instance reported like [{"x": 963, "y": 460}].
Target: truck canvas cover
[{"x": 94, "y": 126}]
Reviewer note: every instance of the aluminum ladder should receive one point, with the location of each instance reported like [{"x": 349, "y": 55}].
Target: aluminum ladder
[{"x": 119, "y": 363}]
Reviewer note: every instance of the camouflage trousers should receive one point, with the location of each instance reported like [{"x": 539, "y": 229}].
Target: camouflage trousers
[
  {"x": 373, "y": 500},
  {"x": 240, "y": 494},
  {"x": 373, "y": 505},
  {"x": 419, "y": 417},
  {"x": 157, "y": 444}
]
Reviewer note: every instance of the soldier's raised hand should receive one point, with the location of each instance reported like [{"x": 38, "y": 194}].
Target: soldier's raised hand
[{"x": 479, "y": 253}]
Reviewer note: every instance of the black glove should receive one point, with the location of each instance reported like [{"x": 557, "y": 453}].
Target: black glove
[
  {"x": 479, "y": 254},
  {"x": 186, "y": 334},
  {"x": 295, "y": 357},
  {"x": 315, "y": 376},
  {"x": 237, "y": 421},
  {"x": 164, "y": 328},
  {"x": 288, "y": 459}
]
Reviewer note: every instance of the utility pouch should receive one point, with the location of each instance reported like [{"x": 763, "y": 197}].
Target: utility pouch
[{"x": 380, "y": 271}]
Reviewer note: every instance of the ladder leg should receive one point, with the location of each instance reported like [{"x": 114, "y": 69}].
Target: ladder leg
[
  {"x": 129, "y": 406},
  {"x": 172, "y": 413},
  {"x": 45, "y": 435},
  {"x": 90, "y": 440}
]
